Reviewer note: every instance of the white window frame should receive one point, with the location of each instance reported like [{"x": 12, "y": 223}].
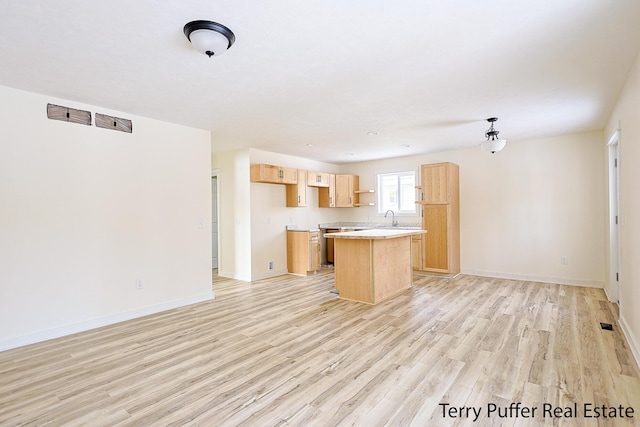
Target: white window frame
[{"x": 382, "y": 207}]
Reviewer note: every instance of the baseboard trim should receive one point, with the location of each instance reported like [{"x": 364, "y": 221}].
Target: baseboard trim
[
  {"x": 269, "y": 275},
  {"x": 86, "y": 325},
  {"x": 631, "y": 340},
  {"x": 233, "y": 276},
  {"x": 543, "y": 279}
]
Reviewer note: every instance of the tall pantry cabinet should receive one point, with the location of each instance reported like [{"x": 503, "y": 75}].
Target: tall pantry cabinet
[{"x": 440, "y": 203}]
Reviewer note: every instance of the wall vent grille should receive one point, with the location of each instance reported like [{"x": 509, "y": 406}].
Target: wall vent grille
[
  {"x": 66, "y": 114},
  {"x": 115, "y": 123}
]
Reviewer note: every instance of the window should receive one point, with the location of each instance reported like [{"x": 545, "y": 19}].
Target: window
[{"x": 396, "y": 192}]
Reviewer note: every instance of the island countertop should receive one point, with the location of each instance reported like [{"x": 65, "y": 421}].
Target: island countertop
[
  {"x": 375, "y": 233},
  {"x": 372, "y": 265}
]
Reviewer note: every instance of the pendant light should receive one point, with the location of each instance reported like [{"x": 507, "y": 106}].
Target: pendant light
[
  {"x": 209, "y": 37},
  {"x": 493, "y": 143}
]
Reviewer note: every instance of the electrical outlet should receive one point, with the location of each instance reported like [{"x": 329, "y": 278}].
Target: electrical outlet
[
  {"x": 270, "y": 265},
  {"x": 139, "y": 284},
  {"x": 564, "y": 260}
]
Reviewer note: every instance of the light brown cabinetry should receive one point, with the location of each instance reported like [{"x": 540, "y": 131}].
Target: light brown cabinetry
[
  {"x": 441, "y": 218},
  {"x": 437, "y": 182},
  {"x": 346, "y": 187},
  {"x": 327, "y": 195},
  {"x": 317, "y": 179},
  {"x": 341, "y": 192},
  {"x": 372, "y": 265},
  {"x": 314, "y": 251},
  {"x": 416, "y": 252},
  {"x": 273, "y": 174},
  {"x": 297, "y": 193},
  {"x": 303, "y": 251},
  {"x": 436, "y": 244}
]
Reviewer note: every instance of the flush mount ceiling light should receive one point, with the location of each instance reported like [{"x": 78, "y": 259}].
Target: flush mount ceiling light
[
  {"x": 209, "y": 37},
  {"x": 493, "y": 143}
]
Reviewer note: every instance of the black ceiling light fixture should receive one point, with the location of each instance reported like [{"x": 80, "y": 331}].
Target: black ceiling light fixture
[
  {"x": 493, "y": 143},
  {"x": 209, "y": 37}
]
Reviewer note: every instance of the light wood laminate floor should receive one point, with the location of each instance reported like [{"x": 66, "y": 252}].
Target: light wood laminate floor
[{"x": 286, "y": 351}]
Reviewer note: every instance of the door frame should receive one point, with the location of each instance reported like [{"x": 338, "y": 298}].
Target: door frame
[
  {"x": 215, "y": 173},
  {"x": 614, "y": 164}
]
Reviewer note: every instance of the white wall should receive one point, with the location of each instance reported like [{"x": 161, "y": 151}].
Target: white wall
[
  {"x": 270, "y": 216},
  {"x": 625, "y": 115},
  {"x": 86, "y": 212},
  {"x": 523, "y": 208},
  {"x": 234, "y": 221}
]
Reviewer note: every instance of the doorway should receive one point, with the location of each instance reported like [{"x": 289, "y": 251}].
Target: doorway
[
  {"x": 214, "y": 221},
  {"x": 614, "y": 227}
]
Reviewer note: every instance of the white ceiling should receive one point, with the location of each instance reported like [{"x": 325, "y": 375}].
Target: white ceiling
[{"x": 356, "y": 79}]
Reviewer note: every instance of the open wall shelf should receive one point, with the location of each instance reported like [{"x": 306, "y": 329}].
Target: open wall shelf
[{"x": 365, "y": 192}]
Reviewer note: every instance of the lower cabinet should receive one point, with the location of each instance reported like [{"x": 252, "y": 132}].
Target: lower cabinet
[
  {"x": 303, "y": 251},
  {"x": 441, "y": 244},
  {"x": 416, "y": 252}
]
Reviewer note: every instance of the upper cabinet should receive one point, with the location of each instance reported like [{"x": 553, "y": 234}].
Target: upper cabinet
[
  {"x": 273, "y": 174},
  {"x": 341, "y": 192},
  {"x": 317, "y": 179},
  {"x": 289, "y": 175},
  {"x": 334, "y": 190},
  {"x": 437, "y": 182},
  {"x": 346, "y": 187},
  {"x": 297, "y": 193},
  {"x": 327, "y": 195}
]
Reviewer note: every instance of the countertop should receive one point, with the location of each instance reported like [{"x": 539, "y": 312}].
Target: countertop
[
  {"x": 376, "y": 233},
  {"x": 368, "y": 226},
  {"x": 295, "y": 228}
]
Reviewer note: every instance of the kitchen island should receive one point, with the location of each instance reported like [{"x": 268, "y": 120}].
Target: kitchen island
[{"x": 372, "y": 265}]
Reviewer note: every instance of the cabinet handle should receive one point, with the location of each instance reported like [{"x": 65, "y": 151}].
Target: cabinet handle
[
  {"x": 330, "y": 200},
  {"x": 298, "y": 199},
  {"x": 318, "y": 178},
  {"x": 350, "y": 200}
]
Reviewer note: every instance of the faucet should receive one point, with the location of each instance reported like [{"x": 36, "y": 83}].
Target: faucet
[{"x": 394, "y": 223}]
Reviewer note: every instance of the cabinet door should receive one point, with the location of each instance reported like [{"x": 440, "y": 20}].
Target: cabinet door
[
  {"x": 435, "y": 183},
  {"x": 297, "y": 193},
  {"x": 289, "y": 175},
  {"x": 435, "y": 247},
  {"x": 345, "y": 191},
  {"x": 265, "y": 173},
  {"x": 327, "y": 195},
  {"x": 312, "y": 178},
  {"x": 416, "y": 252},
  {"x": 314, "y": 254},
  {"x": 322, "y": 179},
  {"x": 317, "y": 179},
  {"x": 297, "y": 251},
  {"x": 302, "y": 188}
]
